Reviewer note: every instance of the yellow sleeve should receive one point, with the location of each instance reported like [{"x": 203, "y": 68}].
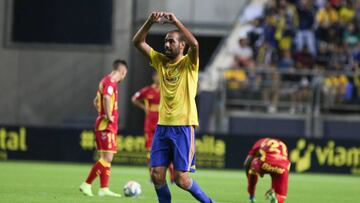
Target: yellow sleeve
[
  {"x": 156, "y": 58},
  {"x": 191, "y": 64}
]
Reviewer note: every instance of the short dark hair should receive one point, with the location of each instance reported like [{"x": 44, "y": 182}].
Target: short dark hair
[
  {"x": 181, "y": 35},
  {"x": 117, "y": 62}
]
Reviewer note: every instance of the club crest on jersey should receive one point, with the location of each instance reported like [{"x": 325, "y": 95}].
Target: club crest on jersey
[{"x": 110, "y": 90}]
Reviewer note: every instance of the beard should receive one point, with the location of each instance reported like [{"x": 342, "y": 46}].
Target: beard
[{"x": 171, "y": 54}]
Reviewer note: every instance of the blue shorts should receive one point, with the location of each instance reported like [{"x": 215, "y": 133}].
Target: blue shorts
[{"x": 174, "y": 144}]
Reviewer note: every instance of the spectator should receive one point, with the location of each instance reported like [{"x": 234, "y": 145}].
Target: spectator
[
  {"x": 336, "y": 89},
  {"x": 351, "y": 35},
  {"x": 270, "y": 8},
  {"x": 271, "y": 91},
  {"x": 349, "y": 92},
  {"x": 346, "y": 12},
  {"x": 320, "y": 3},
  {"x": 329, "y": 90},
  {"x": 292, "y": 18},
  {"x": 267, "y": 55},
  {"x": 340, "y": 59},
  {"x": 284, "y": 30},
  {"x": 305, "y": 35},
  {"x": 335, "y": 34},
  {"x": 286, "y": 62},
  {"x": 323, "y": 56},
  {"x": 326, "y": 20},
  {"x": 256, "y": 35},
  {"x": 235, "y": 80},
  {"x": 301, "y": 96},
  {"x": 243, "y": 54},
  {"x": 253, "y": 81},
  {"x": 356, "y": 79},
  {"x": 343, "y": 82},
  {"x": 303, "y": 59},
  {"x": 357, "y": 12},
  {"x": 336, "y": 3},
  {"x": 355, "y": 57},
  {"x": 269, "y": 30},
  {"x": 327, "y": 16}
]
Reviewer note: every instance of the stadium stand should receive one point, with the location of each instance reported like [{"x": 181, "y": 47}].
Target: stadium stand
[{"x": 290, "y": 57}]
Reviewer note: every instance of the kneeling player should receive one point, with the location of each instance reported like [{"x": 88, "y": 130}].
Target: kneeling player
[
  {"x": 268, "y": 156},
  {"x": 106, "y": 127}
]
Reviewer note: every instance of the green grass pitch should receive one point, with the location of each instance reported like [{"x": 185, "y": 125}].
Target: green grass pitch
[{"x": 58, "y": 182}]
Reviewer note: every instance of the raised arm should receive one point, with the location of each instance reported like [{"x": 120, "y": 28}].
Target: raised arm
[
  {"x": 139, "y": 38},
  {"x": 191, "y": 40}
]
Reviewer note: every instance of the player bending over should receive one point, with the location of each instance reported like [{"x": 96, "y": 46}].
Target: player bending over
[
  {"x": 174, "y": 139},
  {"x": 148, "y": 99},
  {"x": 106, "y": 127},
  {"x": 268, "y": 156}
]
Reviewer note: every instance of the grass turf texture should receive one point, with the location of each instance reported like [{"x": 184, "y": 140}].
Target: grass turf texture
[{"x": 59, "y": 182}]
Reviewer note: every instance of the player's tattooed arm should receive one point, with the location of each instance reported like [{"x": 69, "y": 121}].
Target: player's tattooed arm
[
  {"x": 191, "y": 40},
  {"x": 107, "y": 107},
  {"x": 139, "y": 38}
]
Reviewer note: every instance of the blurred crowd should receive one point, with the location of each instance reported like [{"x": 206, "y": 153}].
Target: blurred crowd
[{"x": 297, "y": 47}]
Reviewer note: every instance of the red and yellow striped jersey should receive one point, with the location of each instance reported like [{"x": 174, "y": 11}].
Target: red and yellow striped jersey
[
  {"x": 107, "y": 87},
  {"x": 151, "y": 96},
  {"x": 266, "y": 147}
]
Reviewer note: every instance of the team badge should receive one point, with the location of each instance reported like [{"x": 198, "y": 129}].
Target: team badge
[{"x": 110, "y": 90}]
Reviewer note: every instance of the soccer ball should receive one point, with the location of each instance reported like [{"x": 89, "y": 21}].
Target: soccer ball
[{"x": 132, "y": 189}]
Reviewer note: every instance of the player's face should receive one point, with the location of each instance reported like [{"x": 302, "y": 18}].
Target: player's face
[
  {"x": 122, "y": 70},
  {"x": 173, "y": 46}
]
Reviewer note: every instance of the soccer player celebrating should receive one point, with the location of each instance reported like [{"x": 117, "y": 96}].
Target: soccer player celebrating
[
  {"x": 268, "y": 156},
  {"x": 174, "y": 139},
  {"x": 148, "y": 99},
  {"x": 106, "y": 127}
]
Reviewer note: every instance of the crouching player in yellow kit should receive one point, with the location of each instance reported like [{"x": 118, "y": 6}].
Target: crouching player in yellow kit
[
  {"x": 174, "y": 139},
  {"x": 106, "y": 127}
]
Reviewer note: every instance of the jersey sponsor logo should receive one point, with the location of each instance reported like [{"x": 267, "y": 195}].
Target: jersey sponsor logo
[
  {"x": 272, "y": 169},
  {"x": 103, "y": 135}
]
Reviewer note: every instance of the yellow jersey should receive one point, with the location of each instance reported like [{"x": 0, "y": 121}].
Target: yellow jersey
[{"x": 178, "y": 87}]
